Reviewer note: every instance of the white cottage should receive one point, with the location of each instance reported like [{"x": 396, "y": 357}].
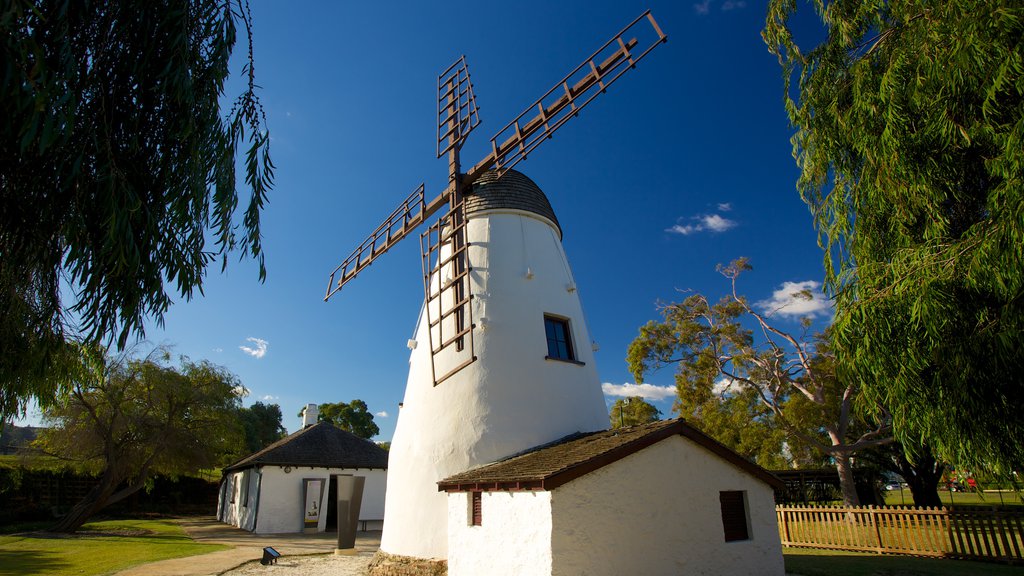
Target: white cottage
[
  {"x": 273, "y": 490},
  {"x": 662, "y": 498}
]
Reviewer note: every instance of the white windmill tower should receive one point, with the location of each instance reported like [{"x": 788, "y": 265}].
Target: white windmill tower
[{"x": 502, "y": 359}]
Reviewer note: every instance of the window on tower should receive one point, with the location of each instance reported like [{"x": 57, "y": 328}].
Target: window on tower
[{"x": 559, "y": 339}]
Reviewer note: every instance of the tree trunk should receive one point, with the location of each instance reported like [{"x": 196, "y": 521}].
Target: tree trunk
[
  {"x": 93, "y": 502},
  {"x": 844, "y": 466},
  {"x": 922, "y": 477}
]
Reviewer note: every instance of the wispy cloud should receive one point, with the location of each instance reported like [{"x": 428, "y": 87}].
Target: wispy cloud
[
  {"x": 218, "y": 350},
  {"x": 729, "y": 5},
  {"x": 269, "y": 398},
  {"x": 704, "y": 222},
  {"x": 259, "y": 348},
  {"x": 382, "y": 413},
  {"x": 702, "y": 8},
  {"x": 797, "y": 299},
  {"x": 725, "y": 207},
  {"x": 646, "y": 391}
]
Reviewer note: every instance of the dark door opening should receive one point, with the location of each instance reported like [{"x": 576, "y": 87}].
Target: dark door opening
[{"x": 332, "y": 505}]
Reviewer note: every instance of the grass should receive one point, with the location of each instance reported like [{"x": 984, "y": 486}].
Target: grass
[
  {"x": 807, "y": 562},
  {"x": 101, "y": 547},
  {"x": 1008, "y": 499}
]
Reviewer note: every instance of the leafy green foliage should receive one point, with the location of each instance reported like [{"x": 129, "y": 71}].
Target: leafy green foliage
[
  {"x": 352, "y": 417},
  {"x": 261, "y": 424},
  {"x": 756, "y": 394},
  {"x": 128, "y": 419},
  {"x": 117, "y": 173},
  {"x": 909, "y": 122},
  {"x": 632, "y": 412}
]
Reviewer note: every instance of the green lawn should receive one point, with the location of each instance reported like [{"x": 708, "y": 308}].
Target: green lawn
[
  {"x": 807, "y": 562},
  {"x": 101, "y": 548},
  {"x": 904, "y": 498}
]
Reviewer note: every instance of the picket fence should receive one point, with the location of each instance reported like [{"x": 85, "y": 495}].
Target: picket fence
[{"x": 976, "y": 534}]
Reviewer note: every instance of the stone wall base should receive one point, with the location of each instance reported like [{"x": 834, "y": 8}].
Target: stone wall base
[{"x": 384, "y": 564}]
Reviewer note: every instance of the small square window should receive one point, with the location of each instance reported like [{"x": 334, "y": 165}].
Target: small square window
[
  {"x": 476, "y": 508},
  {"x": 559, "y": 339},
  {"x": 734, "y": 515}
]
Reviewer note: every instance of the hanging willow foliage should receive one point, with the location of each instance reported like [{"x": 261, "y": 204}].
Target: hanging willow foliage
[
  {"x": 909, "y": 121},
  {"x": 117, "y": 170}
]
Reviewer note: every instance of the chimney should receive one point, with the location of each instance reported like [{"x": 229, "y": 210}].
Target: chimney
[{"x": 309, "y": 414}]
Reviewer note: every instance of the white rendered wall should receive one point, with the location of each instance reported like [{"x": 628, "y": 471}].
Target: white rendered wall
[
  {"x": 510, "y": 399},
  {"x": 279, "y": 507},
  {"x": 658, "y": 512},
  {"x": 233, "y": 508},
  {"x": 514, "y": 537}
]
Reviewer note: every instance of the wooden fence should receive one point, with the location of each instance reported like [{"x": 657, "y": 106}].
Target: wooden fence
[{"x": 977, "y": 534}]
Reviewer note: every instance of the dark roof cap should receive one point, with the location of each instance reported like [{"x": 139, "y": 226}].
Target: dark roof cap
[
  {"x": 549, "y": 466},
  {"x": 512, "y": 191},
  {"x": 321, "y": 445}
]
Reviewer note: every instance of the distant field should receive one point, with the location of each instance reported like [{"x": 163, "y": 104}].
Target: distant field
[
  {"x": 33, "y": 462},
  {"x": 904, "y": 498}
]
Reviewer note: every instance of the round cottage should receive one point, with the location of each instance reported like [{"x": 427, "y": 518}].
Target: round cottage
[{"x": 534, "y": 380}]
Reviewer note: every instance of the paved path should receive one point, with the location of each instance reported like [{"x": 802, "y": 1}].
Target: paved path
[{"x": 246, "y": 548}]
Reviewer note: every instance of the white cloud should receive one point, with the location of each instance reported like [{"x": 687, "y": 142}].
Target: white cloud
[
  {"x": 268, "y": 398},
  {"x": 646, "y": 391},
  {"x": 382, "y": 413},
  {"x": 711, "y": 222},
  {"x": 733, "y": 5},
  {"x": 725, "y": 207},
  {"x": 725, "y": 386},
  {"x": 797, "y": 299},
  {"x": 240, "y": 391},
  {"x": 218, "y": 350},
  {"x": 257, "y": 351},
  {"x": 703, "y": 7}
]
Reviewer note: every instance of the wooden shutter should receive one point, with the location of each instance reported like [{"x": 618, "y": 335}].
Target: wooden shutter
[
  {"x": 734, "y": 515},
  {"x": 477, "y": 507}
]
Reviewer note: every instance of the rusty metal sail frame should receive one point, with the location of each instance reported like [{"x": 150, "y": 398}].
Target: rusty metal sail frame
[{"x": 444, "y": 245}]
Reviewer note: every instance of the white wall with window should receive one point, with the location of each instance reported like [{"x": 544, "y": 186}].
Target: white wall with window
[{"x": 658, "y": 511}]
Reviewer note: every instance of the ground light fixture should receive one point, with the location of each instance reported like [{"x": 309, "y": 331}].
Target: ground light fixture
[{"x": 270, "y": 556}]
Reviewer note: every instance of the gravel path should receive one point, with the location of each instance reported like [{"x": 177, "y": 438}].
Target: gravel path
[{"x": 316, "y": 565}]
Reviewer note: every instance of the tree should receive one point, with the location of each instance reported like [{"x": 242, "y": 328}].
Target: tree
[
  {"x": 117, "y": 173},
  {"x": 261, "y": 424},
  {"x": 632, "y": 412},
  {"x": 922, "y": 474},
  {"x": 791, "y": 377},
  {"x": 129, "y": 419},
  {"x": 909, "y": 122},
  {"x": 353, "y": 417}
]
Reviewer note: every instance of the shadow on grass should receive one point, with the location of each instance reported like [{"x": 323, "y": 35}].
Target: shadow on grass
[
  {"x": 822, "y": 563},
  {"x": 29, "y": 563}
]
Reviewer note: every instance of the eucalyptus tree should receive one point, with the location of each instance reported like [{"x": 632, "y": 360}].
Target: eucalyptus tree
[
  {"x": 352, "y": 417},
  {"x": 909, "y": 121},
  {"x": 632, "y": 412},
  {"x": 127, "y": 419},
  {"x": 118, "y": 172},
  {"x": 791, "y": 378}
]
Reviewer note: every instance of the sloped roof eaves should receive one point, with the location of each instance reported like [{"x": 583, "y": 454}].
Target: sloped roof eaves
[
  {"x": 322, "y": 446},
  {"x": 548, "y": 467}
]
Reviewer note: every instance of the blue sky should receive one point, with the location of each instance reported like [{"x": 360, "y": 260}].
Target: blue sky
[{"x": 685, "y": 163}]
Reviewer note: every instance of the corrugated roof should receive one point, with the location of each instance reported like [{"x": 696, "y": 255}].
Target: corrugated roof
[
  {"x": 513, "y": 190},
  {"x": 549, "y": 466},
  {"x": 322, "y": 445}
]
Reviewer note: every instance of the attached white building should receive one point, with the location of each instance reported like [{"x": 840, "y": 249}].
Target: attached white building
[
  {"x": 662, "y": 498},
  {"x": 265, "y": 492}
]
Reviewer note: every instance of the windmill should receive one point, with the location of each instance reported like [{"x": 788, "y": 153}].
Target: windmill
[
  {"x": 444, "y": 244},
  {"x": 498, "y": 292}
]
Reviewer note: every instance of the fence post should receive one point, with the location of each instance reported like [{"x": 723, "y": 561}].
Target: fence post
[
  {"x": 785, "y": 523},
  {"x": 872, "y": 512}
]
